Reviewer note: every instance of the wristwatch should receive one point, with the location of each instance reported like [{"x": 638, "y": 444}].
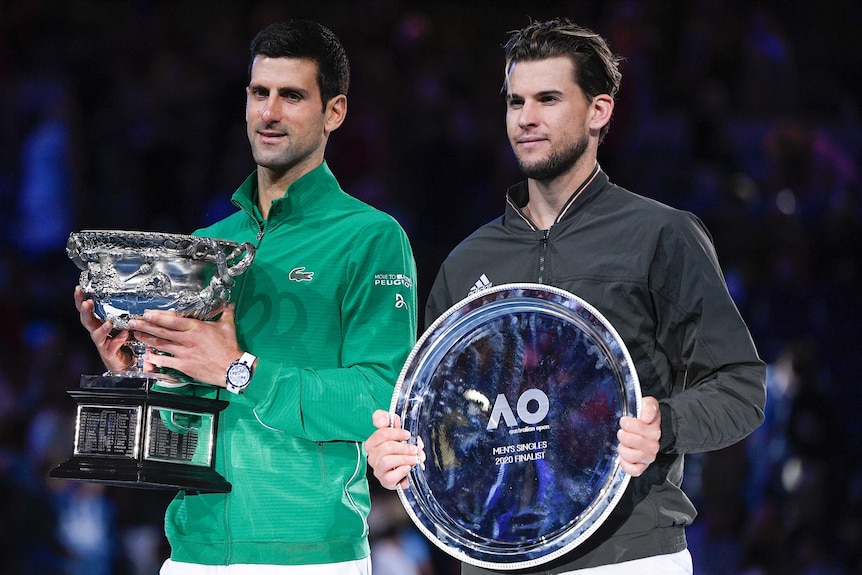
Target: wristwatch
[{"x": 239, "y": 373}]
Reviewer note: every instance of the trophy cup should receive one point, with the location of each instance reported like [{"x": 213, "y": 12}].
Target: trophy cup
[
  {"x": 148, "y": 429},
  {"x": 516, "y": 394}
]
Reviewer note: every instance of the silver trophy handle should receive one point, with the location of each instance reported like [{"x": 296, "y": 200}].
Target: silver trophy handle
[
  {"x": 246, "y": 260},
  {"x": 223, "y": 280},
  {"x": 73, "y": 250}
]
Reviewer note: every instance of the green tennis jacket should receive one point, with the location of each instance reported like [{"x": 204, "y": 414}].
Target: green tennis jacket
[{"x": 329, "y": 308}]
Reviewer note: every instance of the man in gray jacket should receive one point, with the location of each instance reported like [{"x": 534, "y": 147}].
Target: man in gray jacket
[{"x": 650, "y": 270}]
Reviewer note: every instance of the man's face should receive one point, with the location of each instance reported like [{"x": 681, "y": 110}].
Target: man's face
[
  {"x": 284, "y": 114},
  {"x": 546, "y": 117}
]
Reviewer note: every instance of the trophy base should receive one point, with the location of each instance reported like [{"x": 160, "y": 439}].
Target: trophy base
[
  {"x": 144, "y": 476},
  {"x": 129, "y": 432}
]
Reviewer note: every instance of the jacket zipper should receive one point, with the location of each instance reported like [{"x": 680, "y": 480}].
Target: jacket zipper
[{"x": 543, "y": 250}]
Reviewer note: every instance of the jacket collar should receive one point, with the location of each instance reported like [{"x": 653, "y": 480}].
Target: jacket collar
[
  {"x": 517, "y": 197},
  {"x": 310, "y": 191}
]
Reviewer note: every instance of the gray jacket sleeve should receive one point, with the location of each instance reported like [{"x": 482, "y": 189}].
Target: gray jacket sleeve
[{"x": 720, "y": 392}]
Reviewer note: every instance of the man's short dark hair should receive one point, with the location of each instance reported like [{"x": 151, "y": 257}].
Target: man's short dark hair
[
  {"x": 305, "y": 39},
  {"x": 596, "y": 68}
]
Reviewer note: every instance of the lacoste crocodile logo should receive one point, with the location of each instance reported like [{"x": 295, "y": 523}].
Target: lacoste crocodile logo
[{"x": 300, "y": 275}]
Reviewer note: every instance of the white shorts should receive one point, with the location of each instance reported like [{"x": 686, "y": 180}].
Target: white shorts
[
  {"x": 670, "y": 564},
  {"x": 358, "y": 567}
]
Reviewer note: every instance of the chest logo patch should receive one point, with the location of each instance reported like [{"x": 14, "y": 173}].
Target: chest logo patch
[
  {"x": 482, "y": 283},
  {"x": 300, "y": 275}
]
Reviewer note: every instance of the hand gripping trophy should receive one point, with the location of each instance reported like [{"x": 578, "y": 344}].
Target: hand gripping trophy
[{"x": 140, "y": 428}]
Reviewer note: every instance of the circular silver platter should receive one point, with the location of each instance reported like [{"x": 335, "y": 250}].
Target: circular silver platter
[{"x": 516, "y": 394}]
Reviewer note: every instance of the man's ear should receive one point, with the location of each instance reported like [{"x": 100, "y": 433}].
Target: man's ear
[
  {"x": 335, "y": 113},
  {"x": 602, "y": 108}
]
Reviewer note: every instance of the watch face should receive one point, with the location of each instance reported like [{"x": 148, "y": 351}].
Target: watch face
[{"x": 238, "y": 374}]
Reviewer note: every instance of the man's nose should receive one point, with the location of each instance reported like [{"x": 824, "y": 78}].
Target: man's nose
[
  {"x": 527, "y": 115},
  {"x": 271, "y": 112}
]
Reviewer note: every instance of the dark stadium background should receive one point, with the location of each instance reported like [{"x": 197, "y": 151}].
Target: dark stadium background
[{"x": 129, "y": 115}]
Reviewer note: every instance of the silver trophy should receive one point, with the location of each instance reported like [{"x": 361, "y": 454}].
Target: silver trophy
[
  {"x": 139, "y": 428},
  {"x": 516, "y": 394}
]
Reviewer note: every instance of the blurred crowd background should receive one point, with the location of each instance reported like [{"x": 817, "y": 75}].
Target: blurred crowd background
[{"x": 129, "y": 114}]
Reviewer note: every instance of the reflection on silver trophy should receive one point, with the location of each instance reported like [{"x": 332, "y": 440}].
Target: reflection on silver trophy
[
  {"x": 126, "y": 273},
  {"x": 138, "y": 428}
]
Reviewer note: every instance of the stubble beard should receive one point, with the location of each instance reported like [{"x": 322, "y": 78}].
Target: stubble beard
[
  {"x": 270, "y": 161},
  {"x": 557, "y": 163},
  {"x": 278, "y": 161}
]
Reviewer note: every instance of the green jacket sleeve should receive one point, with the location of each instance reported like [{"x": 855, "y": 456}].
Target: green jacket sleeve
[{"x": 379, "y": 330}]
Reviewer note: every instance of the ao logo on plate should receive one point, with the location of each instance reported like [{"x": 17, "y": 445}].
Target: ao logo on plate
[{"x": 504, "y": 410}]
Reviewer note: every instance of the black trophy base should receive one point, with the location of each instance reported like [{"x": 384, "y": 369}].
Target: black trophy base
[
  {"x": 134, "y": 431},
  {"x": 142, "y": 476}
]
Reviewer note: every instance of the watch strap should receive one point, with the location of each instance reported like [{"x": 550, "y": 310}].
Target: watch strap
[{"x": 247, "y": 359}]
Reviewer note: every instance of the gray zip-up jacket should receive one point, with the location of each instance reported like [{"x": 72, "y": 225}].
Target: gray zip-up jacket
[{"x": 651, "y": 270}]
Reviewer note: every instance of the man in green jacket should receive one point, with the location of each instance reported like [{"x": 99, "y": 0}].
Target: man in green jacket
[{"x": 322, "y": 320}]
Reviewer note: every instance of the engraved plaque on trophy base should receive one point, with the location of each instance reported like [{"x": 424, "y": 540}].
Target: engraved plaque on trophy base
[{"x": 130, "y": 432}]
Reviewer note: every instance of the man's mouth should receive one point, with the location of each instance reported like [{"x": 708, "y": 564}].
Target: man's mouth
[
  {"x": 268, "y": 136},
  {"x": 530, "y": 141}
]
